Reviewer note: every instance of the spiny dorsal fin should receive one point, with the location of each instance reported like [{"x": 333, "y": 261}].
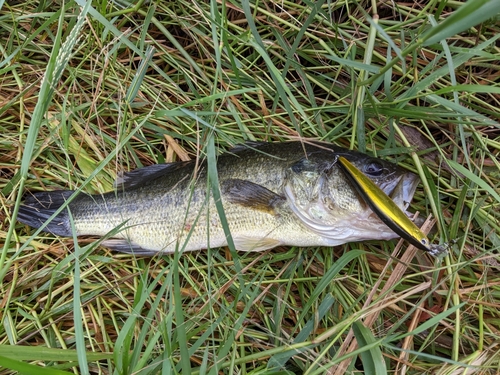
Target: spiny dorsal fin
[
  {"x": 245, "y": 146},
  {"x": 137, "y": 177},
  {"x": 249, "y": 194}
]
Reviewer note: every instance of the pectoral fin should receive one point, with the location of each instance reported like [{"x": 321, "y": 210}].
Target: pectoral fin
[{"x": 248, "y": 194}]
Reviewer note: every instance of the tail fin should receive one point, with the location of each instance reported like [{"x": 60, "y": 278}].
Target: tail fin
[{"x": 39, "y": 207}]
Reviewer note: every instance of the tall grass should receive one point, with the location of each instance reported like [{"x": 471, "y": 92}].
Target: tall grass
[{"x": 89, "y": 90}]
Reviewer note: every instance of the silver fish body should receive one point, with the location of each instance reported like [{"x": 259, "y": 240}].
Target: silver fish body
[{"x": 273, "y": 194}]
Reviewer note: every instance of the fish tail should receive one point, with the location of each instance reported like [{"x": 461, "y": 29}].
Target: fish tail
[{"x": 39, "y": 207}]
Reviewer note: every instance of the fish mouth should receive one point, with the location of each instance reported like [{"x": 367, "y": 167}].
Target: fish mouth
[{"x": 403, "y": 191}]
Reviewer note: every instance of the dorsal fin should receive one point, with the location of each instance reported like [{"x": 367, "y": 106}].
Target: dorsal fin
[
  {"x": 245, "y": 146},
  {"x": 137, "y": 177}
]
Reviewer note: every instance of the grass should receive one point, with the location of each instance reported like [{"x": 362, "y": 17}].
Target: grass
[{"x": 91, "y": 90}]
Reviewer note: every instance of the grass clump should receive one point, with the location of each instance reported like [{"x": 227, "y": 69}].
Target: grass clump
[{"x": 89, "y": 90}]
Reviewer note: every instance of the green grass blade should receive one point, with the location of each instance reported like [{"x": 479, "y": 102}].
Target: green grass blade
[
  {"x": 139, "y": 76},
  {"x": 371, "y": 357},
  {"x": 278, "y": 360},
  {"x": 39, "y": 353},
  {"x": 215, "y": 189},
  {"x": 328, "y": 277},
  {"x": 475, "y": 179},
  {"x": 466, "y": 16},
  {"x": 28, "y": 369},
  {"x": 432, "y": 321},
  {"x": 59, "y": 59},
  {"x": 77, "y": 305},
  {"x": 45, "y": 96}
]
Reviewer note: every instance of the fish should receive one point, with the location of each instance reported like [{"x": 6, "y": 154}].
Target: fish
[
  {"x": 388, "y": 211},
  {"x": 273, "y": 194}
]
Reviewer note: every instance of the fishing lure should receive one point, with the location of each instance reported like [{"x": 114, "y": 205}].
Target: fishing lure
[{"x": 388, "y": 211}]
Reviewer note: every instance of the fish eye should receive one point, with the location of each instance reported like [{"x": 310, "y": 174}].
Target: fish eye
[{"x": 374, "y": 168}]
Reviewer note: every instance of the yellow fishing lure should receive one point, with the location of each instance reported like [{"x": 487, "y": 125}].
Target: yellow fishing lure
[{"x": 385, "y": 208}]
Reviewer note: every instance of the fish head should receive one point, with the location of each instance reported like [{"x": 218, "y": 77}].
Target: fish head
[{"x": 324, "y": 200}]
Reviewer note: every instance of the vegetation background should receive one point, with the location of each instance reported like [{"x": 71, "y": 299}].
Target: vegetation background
[{"x": 91, "y": 89}]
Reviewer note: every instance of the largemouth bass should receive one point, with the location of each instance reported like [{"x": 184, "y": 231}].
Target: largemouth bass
[{"x": 291, "y": 194}]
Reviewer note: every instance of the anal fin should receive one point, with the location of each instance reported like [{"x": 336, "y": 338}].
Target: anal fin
[{"x": 127, "y": 247}]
